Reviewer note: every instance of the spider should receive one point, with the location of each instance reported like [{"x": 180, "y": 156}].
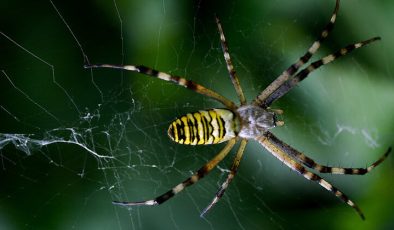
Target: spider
[{"x": 249, "y": 121}]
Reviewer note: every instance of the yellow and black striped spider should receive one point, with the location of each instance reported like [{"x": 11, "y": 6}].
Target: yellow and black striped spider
[{"x": 248, "y": 121}]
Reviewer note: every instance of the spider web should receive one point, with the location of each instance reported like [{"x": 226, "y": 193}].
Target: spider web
[{"x": 72, "y": 140}]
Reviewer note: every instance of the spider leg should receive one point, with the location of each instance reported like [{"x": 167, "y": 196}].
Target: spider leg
[
  {"x": 171, "y": 78},
  {"x": 230, "y": 177},
  {"x": 190, "y": 181},
  {"x": 230, "y": 67},
  {"x": 261, "y": 98},
  {"x": 289, "y": 162},
  {"x": 288, "y": 85},
  {"x": 308, "y": 162}
]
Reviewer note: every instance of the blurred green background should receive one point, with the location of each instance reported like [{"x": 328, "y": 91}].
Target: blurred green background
[{"x": 341, "y": 115}]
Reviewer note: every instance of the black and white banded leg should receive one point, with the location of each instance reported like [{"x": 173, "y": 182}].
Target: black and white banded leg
[
  {"x": 234, "y": 123},
  {"x": 261, "y": 98},
  {"x": 288, "y": 85},
  {"x": 190, "y": 181},
  {"x": 230, "y": 177},
  {"x": 281, "y": 155},
  {"x": 171, "y": 78},
  {"x": 230, "y": 66},
  {"x": 308, "y": 162}
]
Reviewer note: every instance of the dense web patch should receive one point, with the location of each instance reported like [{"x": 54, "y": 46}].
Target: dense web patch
[{"x": 74, "y": 140}]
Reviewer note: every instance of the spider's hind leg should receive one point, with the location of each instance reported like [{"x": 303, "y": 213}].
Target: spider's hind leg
[
  {"x": 230, "y": 177},
  {"x": 177, "y": 80},
  {"x": 189, "y": 181},
  {"x": 230, "y": 66}
]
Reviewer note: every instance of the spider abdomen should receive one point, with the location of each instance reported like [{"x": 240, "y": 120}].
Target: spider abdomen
[{"x": 204, "y": 127}]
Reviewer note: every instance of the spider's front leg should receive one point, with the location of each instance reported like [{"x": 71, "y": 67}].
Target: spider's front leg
[
  {"x": 290, "y": 84},
  {"x": 297, "y": 167},
  {"x": 310, "y": 163},
  {"x": 285, "y": 76}
]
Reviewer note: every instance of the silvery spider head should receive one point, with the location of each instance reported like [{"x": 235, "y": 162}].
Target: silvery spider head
[{"x": 255, "y": 121}]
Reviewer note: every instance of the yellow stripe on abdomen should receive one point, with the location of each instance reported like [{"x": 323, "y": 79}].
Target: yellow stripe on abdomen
[{"x": 204, "y": 127}]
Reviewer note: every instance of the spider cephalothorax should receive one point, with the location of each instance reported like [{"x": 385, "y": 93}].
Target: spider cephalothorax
[
  {"x": 255, "y": 121},
  {"x": 249, "y": 121}
]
